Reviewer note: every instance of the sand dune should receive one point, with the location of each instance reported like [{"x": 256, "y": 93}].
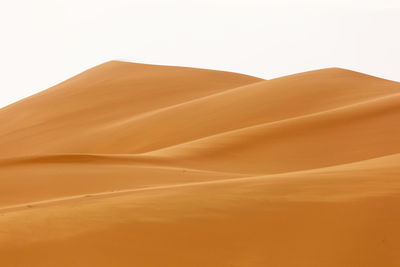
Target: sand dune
[{"x": 141, "y": 165}]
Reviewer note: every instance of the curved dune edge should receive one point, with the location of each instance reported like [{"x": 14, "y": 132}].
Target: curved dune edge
[
  {"x": 142, "y": 165},
  {"x": 233, "y": 210},
  {"x": 382, "y": 162}
]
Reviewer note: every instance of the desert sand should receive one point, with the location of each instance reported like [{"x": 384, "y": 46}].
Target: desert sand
[{"x": 131, "y": 164}]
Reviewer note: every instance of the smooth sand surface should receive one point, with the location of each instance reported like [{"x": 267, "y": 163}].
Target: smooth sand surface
[{"x": 141, "y": 165}]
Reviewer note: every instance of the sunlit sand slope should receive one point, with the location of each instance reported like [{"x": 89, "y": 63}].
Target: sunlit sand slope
[{"x": 71, "y": 113}]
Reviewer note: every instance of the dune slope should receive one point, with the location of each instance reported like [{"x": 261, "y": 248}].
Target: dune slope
[{"x": 142, "y": 165}]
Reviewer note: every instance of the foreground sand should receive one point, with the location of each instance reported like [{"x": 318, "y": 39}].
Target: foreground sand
[{"x": 139, "y": 165}]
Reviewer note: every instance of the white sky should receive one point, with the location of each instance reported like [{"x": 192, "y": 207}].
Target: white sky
[{"x": 44, "y": 42}]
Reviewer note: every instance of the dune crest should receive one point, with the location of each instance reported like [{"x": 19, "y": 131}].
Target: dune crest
[{"x": 132, "y": 164}]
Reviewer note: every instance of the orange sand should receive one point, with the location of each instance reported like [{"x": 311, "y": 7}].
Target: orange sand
[{"x": 140, "y": 165}]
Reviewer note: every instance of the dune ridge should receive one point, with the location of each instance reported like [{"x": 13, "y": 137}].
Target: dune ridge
[{"x": 131, "y": 164}]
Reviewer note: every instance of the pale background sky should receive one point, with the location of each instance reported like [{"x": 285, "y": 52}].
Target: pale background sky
[{"x": 44, "y": 42}]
